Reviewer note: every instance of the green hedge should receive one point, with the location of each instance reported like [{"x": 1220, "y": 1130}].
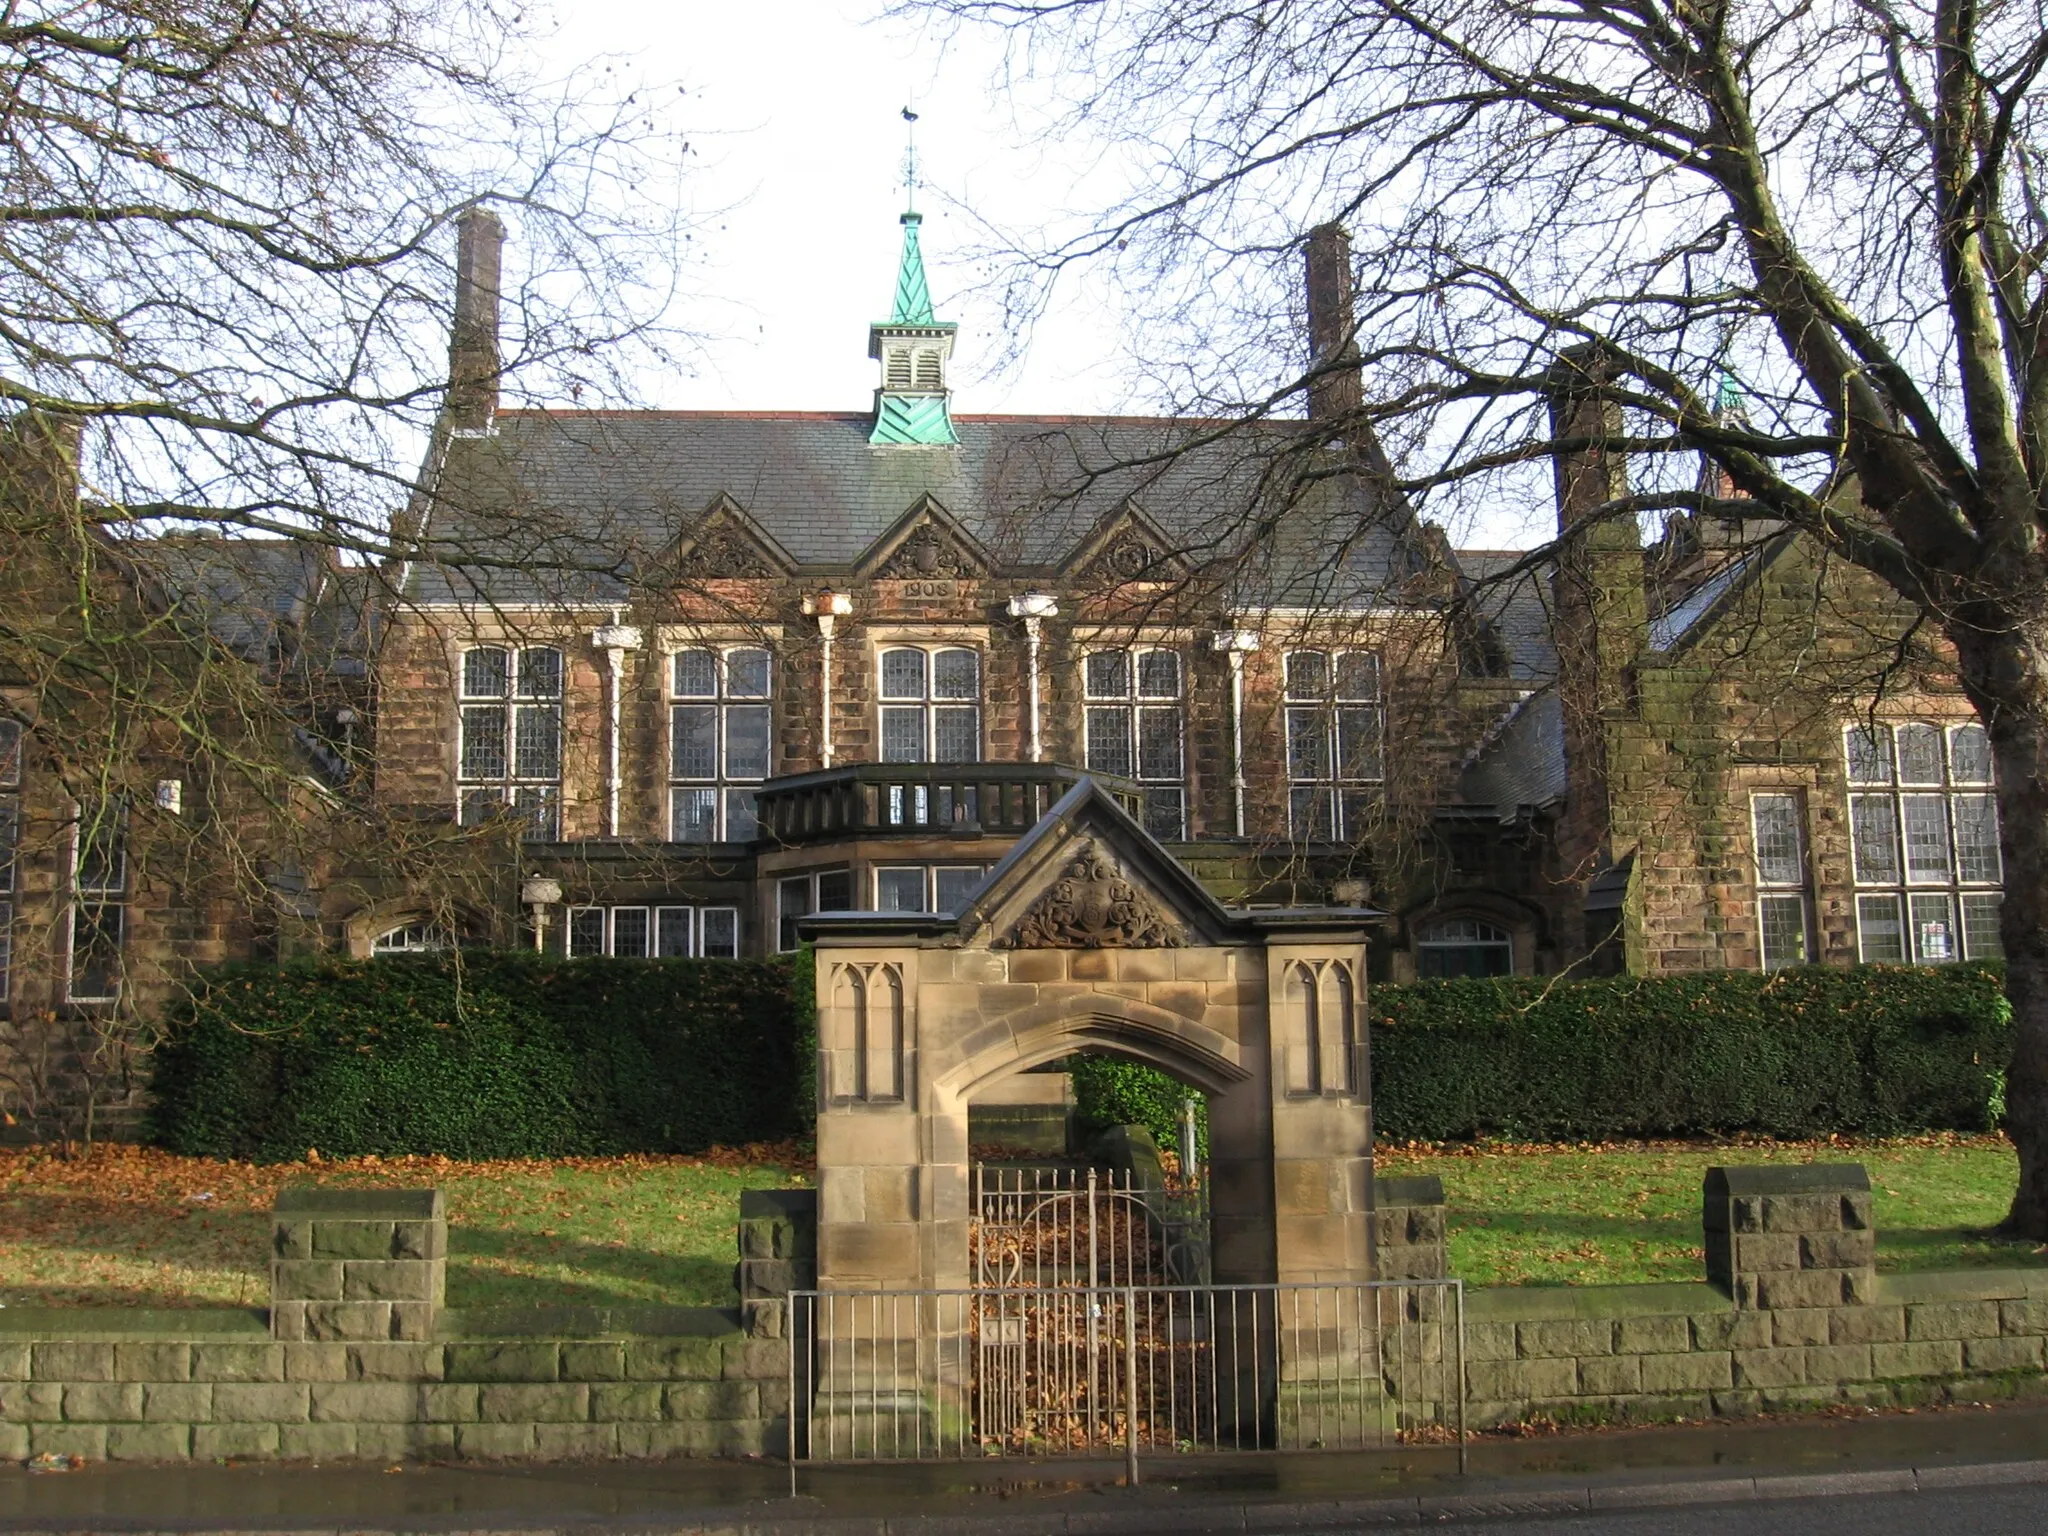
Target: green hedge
[
  {"x": 508, "y": 1055},
  {"x": 1875, "y": 1050},
  {"x": 486, "y": 1055},
  {"x": 1110, "y": 1092}
]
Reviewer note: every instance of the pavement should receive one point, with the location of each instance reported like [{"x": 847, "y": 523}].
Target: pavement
[{"x": 1923, "y": 1453}]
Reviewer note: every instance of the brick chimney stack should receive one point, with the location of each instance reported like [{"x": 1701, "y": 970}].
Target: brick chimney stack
[
  {"x": 473, "y": 361},
  {"x": 1601, "y": 617},
  {"x": 1335, "y": 391}
]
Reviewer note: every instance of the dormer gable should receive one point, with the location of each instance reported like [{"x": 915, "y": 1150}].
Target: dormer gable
[
  {"x": 1128, "y": 545},
  {"x": 725, "y": 544},
  {"x": 926, "y": 543}
]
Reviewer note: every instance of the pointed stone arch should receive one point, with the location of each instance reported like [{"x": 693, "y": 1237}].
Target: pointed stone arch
[{"x": 1090, "y": 936}]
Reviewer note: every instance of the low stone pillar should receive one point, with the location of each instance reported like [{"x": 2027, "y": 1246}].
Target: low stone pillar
[
  {"x": 357, "y": 1263},
  {"x": 1408, "y": 1229},
  {"x": 778, "y": 1240},
  {"x": 1786, "y": 1237}
]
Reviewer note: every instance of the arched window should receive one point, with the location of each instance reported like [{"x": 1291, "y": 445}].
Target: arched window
[
  {"x": 1463, "y": 946},
  {"x": 419, "y": 937},
  {"x": 719, "y": 736},
  {"x": 1134, "y": 724}
]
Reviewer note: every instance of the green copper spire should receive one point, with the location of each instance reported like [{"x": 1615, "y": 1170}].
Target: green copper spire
[
  {"x": 912, "y": 406},
  {"x": 913, "y": 296},
  {"x": 1728, "y": 394}
]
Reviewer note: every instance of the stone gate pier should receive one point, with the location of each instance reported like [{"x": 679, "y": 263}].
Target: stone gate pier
[{"x": 1088, "y": 937}]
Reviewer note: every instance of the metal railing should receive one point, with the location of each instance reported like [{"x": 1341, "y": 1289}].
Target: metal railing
[{"x": 1140, "y": 1370}]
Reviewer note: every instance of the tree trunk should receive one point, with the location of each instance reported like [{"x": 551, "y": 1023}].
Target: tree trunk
[{"x": 2014, "y": 706}]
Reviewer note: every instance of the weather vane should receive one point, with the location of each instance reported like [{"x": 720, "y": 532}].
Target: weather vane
[{"x": 909, "y": 159}]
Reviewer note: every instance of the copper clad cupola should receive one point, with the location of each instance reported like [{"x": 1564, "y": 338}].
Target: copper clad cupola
[{"x": 912, "y": 402}]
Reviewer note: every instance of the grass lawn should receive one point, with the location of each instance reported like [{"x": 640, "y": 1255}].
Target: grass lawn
[
  {"x": 137, "y": 1226},
  {"x": 1630, "y": 1212}
]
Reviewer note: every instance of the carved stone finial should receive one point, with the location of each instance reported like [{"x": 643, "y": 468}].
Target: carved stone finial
[{"x": 1091, "y": 906}]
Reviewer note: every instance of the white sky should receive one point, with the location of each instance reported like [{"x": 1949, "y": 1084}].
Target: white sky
[{"x": 792, "y": 109}]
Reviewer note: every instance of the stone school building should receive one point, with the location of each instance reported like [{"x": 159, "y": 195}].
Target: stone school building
[{"x": 693, "y": 676}]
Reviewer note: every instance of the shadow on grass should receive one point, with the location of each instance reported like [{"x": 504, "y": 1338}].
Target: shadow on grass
[
  {"x": 606, "y": 1273},
  {"x": 215, "y": 1247}
]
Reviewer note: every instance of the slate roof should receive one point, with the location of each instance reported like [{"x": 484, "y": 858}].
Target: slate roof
[
  {"x": 1518, "y": 608},
  {"x": 248, "y": 591},
  {"x": 569, "y": 506},
  {"x": 243, "y": 589},
  {"x": 1521, "y": 762}
]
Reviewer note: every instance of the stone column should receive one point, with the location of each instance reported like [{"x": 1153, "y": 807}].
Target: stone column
[
  {"x": 357, "y": 1263},
  {"x": 1779, "y": 1238}
]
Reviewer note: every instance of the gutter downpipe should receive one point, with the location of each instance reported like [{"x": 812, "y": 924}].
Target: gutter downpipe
[
  {"x": 1238, "y": 644},
  {"x": 827, "y": 608},
  {"x": 614, "y": 639},
  {"x": 1034, "y": 608}
]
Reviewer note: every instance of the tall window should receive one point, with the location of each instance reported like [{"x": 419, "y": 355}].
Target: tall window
[
  {"x": 99, "y": 879},
  {"x": 10, "y": 836},
  {"x": 1135, "y": 723},
  {"x": 636, "y": 933},
  {"x": 511, "y": 751},
  {"x": 1335, "y": 724},
  {"x": 931, "y": 705},
  {"x": 718, "y": 742},
  {"x": 1780, "y": 878},
  {"x": 1923, "y": 827}
]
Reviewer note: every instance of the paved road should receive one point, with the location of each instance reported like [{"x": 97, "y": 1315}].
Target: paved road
[{"x": 1952, "y": 1512}]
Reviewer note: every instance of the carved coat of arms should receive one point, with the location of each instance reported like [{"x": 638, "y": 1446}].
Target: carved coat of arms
[{"x": 1091, "y": 906}]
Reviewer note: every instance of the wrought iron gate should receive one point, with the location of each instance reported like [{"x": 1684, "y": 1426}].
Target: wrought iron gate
[{"x": 1092, "y": 1326}]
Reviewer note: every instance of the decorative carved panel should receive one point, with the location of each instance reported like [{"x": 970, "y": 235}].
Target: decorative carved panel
[
  {"x": 1320, "y": 1032},
  {"x": 929, "y": 552},
  {"x": 1128, "y": 556},
  {"x": 865, "y": 1057},
  {"x": 1091, "y": 906},
  {"x": 722, "y": 551}
]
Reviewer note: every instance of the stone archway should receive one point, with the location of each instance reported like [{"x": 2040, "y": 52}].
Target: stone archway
[{"x": 1090, "y": 935}]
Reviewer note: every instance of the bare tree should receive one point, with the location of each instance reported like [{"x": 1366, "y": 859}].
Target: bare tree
[
  {"x": 1843, "y": 205},
  {"x": 227, "y": 265}
]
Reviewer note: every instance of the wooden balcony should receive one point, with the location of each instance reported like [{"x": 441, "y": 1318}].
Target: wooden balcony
[{"x": 920, "y": 800}]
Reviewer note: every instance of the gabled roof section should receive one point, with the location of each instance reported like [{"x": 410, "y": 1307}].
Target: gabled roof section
[
  {"x": 1690, "y": 613},
  {"x": 926, "y": 542},
  {"x": 561, "y": 506},
  {"x": 726, "y": 544},
  {"x": 1128, "y": 545}
]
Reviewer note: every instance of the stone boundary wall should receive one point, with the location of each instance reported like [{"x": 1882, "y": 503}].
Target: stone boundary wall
[
  {"x": 1659, "y": 1352},
  {"x": 168, "y": 1386},
  {"x": 1794, "y": 1317}
]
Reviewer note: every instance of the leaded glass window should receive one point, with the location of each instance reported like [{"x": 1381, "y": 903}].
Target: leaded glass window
[
  {"x": 1779, "y": 841},
  {"x": 1135, "y": 723},
  {"x": 1923, "y": 832},
  {"x": 930, "y": 704},
  {"x": 1335, "y": 729},
  {"x": 509, "y": 757},
  {"x": 720, "y": 730}
]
